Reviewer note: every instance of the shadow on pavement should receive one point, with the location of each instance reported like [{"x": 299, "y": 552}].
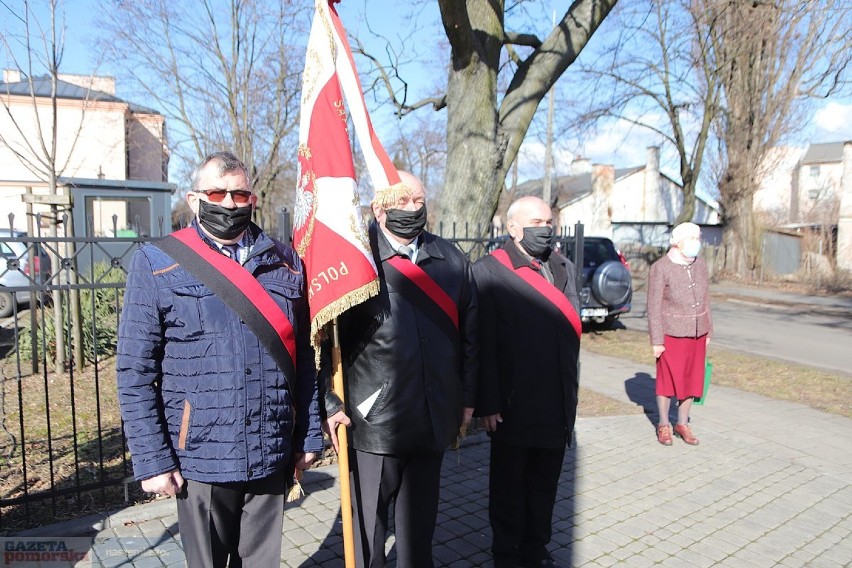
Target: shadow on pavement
[
  {"x": 330, "y": 552},
  {"x": 641, "y": 389},
  {"x": 597, "y": 328},
  {"x": 463, "y": 534},
  {"x": 7, "y": 341}
]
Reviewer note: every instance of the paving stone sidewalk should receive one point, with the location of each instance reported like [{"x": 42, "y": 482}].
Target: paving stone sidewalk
[{"x": 769, "y": 485}]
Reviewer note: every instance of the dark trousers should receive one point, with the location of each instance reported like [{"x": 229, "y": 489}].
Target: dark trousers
[
  {"x": 412, "y": 482},
  {"x": 241, "y": 520},
  {"x": 522, "y": 492}
]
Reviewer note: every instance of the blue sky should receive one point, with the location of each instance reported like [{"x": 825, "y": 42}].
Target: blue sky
[{"x": 419, "y": 24}]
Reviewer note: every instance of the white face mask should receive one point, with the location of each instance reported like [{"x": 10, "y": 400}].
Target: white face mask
[{"x": 690, "y": 248}]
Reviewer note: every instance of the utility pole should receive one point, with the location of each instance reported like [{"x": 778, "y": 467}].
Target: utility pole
[{"x": 548, "y": 149}]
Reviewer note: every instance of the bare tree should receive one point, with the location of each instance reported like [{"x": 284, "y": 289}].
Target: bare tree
[
  {"x": 33, "y": 138},
  {"x": 225, "y": 74},
  {"x": 737, "y": 73},
  {"x": 774, "y": 57},
  {"x": 32, "y": 135},
  {"x": 484, "y": 134},
  {"x": 420, "y": 147},
  {"x": 659, "y": 74},
  {"x": 485, "y": 124}
]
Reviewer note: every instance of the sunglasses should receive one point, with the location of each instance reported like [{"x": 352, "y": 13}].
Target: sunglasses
[{"x": 240, "y": 196}]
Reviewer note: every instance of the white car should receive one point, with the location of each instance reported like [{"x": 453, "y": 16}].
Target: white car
[{"x": 17, "y": 271}]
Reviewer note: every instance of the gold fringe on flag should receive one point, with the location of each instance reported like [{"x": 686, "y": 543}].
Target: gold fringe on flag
[
  {"x": 388, "y": 197},
  {"x": 336, "y": 308}
]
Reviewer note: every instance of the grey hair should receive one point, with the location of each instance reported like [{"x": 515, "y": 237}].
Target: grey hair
[{"x": 226, "y": 162}]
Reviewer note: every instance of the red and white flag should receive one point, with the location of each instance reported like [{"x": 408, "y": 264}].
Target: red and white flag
[{"x": 328, "y": 230}]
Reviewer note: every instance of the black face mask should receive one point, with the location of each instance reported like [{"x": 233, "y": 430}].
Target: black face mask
[
  {"x": 537, "y": 240},
  {"x": 222, "y": 223},
  {"x": 405, "y": 224}
]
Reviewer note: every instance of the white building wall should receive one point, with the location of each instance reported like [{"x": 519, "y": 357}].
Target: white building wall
[
  {"x": 775, "y": 189},
  {"x": 89, "y": 140},
  {"x": 100, "y": 147},
  {"x": 90, "y": 144},
  {"x": 818, "y": 185},
  {"x": 704, "y": 214},
  {"x": 630, "y": 203},
  {"x": 579, "y": 211},
  {"x": 651, "y": 200},
  {"x": 844, "y": 225},
  {"x": 628, "y": 198}
]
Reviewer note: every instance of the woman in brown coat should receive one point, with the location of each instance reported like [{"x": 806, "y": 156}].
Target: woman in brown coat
[{"x": 680, "y": 326}]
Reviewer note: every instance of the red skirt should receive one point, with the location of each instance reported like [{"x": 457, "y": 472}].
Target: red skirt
[{"x": 680, "y": 369}]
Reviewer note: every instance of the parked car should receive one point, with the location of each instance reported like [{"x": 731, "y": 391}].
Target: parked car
[
  {"x": 607, "y": 286},
  {"x": 17, "y": 271}
]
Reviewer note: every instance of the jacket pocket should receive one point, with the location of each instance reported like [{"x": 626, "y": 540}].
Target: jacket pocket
[
  {"x": 285, "y": 296},
  {"x": 192, "y": 311},
  {"x": 281, "y": 287},
  {"x": 373, "y": 404},
  {"x": 184, "y": 424}
]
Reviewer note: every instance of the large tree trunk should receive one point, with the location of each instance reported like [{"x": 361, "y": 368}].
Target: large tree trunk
[
  {"x": 740, "y": 238},
  {"x": 687, "y": 212},
  {"x": 474, "y": 151},
  {"x": 482, "y": 139}
]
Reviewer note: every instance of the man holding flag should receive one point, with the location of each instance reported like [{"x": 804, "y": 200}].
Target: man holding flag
[
  {"x": 406, "y": 361},
  {"x": 410, "y": 362}
]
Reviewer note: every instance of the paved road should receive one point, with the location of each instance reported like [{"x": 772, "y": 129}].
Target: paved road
[{"x": 779, "y": 327}]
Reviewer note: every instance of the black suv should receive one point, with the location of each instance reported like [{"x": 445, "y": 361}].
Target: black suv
[{"x": 607, "y": 287}]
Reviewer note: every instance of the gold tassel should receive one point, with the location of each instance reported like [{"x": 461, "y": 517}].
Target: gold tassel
[
  {"x": 296, "y": 492},
  {"x": 460, "y": 436},
  {"x": 456, "y": 445}
]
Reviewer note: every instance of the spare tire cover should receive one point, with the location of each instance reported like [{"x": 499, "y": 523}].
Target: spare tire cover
[{"x": 611, "y": 283}]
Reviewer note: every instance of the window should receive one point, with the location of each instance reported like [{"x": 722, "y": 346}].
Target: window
[
  {"x": 814, "y": 170},
  {"x": 118, "y": 217}
]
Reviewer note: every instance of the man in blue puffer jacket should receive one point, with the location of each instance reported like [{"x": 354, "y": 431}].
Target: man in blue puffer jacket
[{"x": 208, "y": 414}]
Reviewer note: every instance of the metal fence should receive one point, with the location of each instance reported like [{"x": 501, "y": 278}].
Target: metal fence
[
  {"x": 475, "y": 241},
  {"x": 62, "y": 449}
]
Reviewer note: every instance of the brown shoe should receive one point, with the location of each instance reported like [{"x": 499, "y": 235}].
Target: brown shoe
[
  {"x": 664, "y": 434},
  {"x": 683, "y": 432}
]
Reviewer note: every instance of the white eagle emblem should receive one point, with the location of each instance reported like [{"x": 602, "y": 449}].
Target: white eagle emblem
[{"x": 304, "y": 201}]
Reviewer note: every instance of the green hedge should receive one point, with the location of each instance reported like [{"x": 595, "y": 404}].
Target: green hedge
[{"x": 99, "y": 309}]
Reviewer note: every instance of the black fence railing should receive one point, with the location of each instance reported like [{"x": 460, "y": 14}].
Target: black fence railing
[
  {"x": 475, "y": 239},
  {"x": 62, "y": 449}
]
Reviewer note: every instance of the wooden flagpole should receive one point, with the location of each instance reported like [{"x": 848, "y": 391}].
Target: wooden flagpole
[{"x": 343, "y": 455}]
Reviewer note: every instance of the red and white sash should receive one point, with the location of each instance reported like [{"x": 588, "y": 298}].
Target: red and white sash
[{"x": 543, "y": 287}]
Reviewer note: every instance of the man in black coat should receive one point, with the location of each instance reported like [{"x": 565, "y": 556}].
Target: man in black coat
[
  {"x": 410, "y": 368},
  {"x": 527, "y": 393}
]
